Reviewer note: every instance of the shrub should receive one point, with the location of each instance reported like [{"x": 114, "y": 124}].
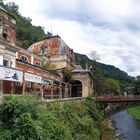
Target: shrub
[{"x": 28, "y": 118}]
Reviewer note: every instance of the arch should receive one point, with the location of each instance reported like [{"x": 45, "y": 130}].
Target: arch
[
  {"x": 76, "y": 88},
  {"x": 24, "y": 58},
  {"x": 37, "y": 63}
]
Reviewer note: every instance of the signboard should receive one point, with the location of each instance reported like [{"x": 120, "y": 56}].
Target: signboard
[
  {"x": 11, "y": 74},
  {"x": 47, "y": 82},
  {"x": 32, "y": 78}
]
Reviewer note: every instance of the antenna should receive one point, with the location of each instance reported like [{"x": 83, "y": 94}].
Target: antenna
[{"x": 51, "y": 29}]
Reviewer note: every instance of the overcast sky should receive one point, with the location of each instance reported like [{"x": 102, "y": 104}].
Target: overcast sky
[{"x": 109, "y": 27}]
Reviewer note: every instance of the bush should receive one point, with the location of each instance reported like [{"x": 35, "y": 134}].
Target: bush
[{"x": 28, "y": 118}]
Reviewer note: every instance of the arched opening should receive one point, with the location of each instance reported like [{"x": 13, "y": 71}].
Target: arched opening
[
  {"x": 24, "y": 58},
  {"x": 76, "y": 88}
]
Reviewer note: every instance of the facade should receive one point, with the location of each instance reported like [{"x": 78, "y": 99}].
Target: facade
[
  {"x": 40, "y": 68},
  {"x": 59, "y": 56},
  {"x": 55, "y": 51},
  {"x": 8, "y": 71}
]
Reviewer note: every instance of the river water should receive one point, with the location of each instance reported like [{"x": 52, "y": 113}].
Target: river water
[{"x": 126, "y": 125}]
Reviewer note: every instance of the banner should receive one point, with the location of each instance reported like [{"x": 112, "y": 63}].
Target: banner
[
  {"x": 47, "y": 82},
  {"x": 32, "y": 78},
  {"x": 11, "y": 74}
]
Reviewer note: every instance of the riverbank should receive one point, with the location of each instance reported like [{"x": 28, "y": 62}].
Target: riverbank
[
  {"x": 108, "y": 131},
  {"x": 135, "y": 112}
]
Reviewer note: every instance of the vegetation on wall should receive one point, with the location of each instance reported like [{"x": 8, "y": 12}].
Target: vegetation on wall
[{"x": 67, "y": 75}]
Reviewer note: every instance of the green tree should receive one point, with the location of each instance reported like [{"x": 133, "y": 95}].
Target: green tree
[
  {"x": 112, "y": 87},
  {"x": 136, "y": 89},
  {"x": 98, "y": 81},
  {"x": 13, "y": 7}
]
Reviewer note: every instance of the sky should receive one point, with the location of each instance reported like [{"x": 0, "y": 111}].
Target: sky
[{"x": 109, "y": 27}]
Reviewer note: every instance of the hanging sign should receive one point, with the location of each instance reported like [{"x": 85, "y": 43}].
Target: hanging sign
[
  {"x": 47, "y": 82},
  {"x": 11, "y": 74},
  {"x": 32, "y": 78}
]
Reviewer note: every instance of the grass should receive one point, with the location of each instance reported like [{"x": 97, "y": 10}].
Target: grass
[
  {"x": 135, "y": 111},
  {"x": 108, "y": 132}
]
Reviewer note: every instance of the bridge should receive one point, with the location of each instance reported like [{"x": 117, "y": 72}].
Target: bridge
[
  {"x": 117, "y": 99},
  {"x": 114, "y": 104}
]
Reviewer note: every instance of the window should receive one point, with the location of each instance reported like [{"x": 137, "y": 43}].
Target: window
[
  {"x": 23, "y": 58},
  {"x": 5, "y": 34},
  {"x": 5, "y": 62},
  {"x": 13, "y": 21},
  {"x": 42, "y": 50},
  {"x": 18, "y": 83},
  {"x": 37, "y": 63}
]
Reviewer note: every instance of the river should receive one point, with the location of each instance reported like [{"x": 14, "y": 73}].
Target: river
[{"x": 127, "y": 126}]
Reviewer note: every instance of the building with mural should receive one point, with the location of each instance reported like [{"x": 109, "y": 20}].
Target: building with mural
[{"x": 47, "y": 65}]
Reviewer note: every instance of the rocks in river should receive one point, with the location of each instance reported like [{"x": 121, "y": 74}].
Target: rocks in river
[{"x": 117, "y": 133}]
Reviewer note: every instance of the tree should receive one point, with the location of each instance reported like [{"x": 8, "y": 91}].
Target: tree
[
  {"x": 112, "y": 86},
  {"x": 94, "y": 55},
  {"x": 136, "y": 90},
  {"x": 13, "y": 7},
  {"x": 97, "y": 76},
  {"x": 98, "y": 80},
  {"x": 1, "y": 1}
]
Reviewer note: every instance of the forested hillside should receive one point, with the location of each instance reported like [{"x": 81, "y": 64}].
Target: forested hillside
[{"x": 108, "y": 71}]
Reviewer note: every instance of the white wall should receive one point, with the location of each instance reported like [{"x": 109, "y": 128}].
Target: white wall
[{"x": 1, "y": 59}]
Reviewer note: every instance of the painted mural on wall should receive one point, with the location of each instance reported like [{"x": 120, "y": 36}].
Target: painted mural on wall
[
  {"x": 50, "y": 46},
  {"x": 53, "y": 45}
]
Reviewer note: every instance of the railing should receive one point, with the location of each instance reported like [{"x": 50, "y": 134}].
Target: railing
[
  {"x": 117, "y": 98},
  {"x": 67, "y": 99}
]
